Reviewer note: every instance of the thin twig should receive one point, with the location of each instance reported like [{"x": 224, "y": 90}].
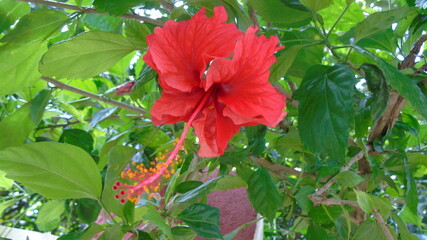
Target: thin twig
[
  {"x": 94, "y": 11},
  {"x": 383, "y": 225},
  {"x": 327, "y": 185},
  {"x": 335, "y": 202},
  {"x": 67, "y": 87},
  {"x": 278, "y": 170}
]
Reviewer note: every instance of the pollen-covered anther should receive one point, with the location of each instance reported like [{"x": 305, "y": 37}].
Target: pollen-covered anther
[{"x": 146, "y": 178}]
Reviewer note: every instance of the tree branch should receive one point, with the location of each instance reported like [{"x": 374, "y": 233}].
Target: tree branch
[
  {"x": 67, "y": 87},
  {"x": 278, "y": 170},
  {"x": 383, "y": 225},
  {"x": 94, "y": 11},
  {"x": 315, "y": 196}
]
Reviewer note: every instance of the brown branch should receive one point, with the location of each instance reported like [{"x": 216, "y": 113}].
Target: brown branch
[
  {"x": 94, "y": 11},
  {"x": 423, "y": 68},
  {"x": 396, "y": 102},
  {"x": 53, "y": 126},
  {"x": 409, "y": 60},
  {"x": 321, "y": 200},
  {"x": 67, "y": 87},
  {"x": 326, "y": 186},
  {"x": 383, "y": 225},
  {"x": 278, "y": 170}
]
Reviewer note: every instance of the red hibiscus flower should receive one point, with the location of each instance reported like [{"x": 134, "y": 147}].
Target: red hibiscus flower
[{"x": 213, "y": 77}]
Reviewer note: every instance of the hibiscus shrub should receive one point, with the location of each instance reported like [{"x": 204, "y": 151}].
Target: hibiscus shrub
[{"x": 114, "y": 113}]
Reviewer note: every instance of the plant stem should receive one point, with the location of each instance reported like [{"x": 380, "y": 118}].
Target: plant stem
[
  {"x": 338, "y": 20},
  {"x": 94, "y": 11},
  {"x": 67, "y": 87},
  {"x": 108, "y": 212}
]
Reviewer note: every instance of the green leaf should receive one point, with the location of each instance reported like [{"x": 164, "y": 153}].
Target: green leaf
[
  {"x": 316, "y": 232},
  {"x": 18, "y": 66},
  {"x": 15, "y": 128},
  {"x": 364, "y": 201},
  {"x": 118, "y": 158},
  {"x": 369, "y": 230},
  {"x": 203, "y": 219},
  {"x": 101, "y": 115},
  {"x": 263, "y": 194},
  {"x": 283, "y": 63},
  {"x": 230, "y": 182},
  {"x": 308, "y": 55},
  {"x": 6, "y": 204},
  {"x": 198, "y": 192},
  {"x": 403, "y": 230},
  {"x": 113, "y": 232},
  {"x": 150, "y": 213},
  {"x": 116, "y": 7},
  {"x": 38, "y": 106},
  {"x": 349, "y": 179},
  {"x": 102, "y": 22},
  {"x": 39, "y": 25},
  {"x": 316, "y": 5},
  {"x": 79, "y": 138},
  {"x": 380, "y": 21},
  {"x": 10, "y": 11},
  {"x": 187, "y": 186},
  {"x": 85, "y": 56},
  {"x": 277, "y": 12},
  {"x": 326, "y": 109},
  {"x": 401, "y": 83},
  {"x": 87, "y": 210},
  {"x": 182, "y": 233},
  {"x": 106, "y": 148},
  {"x": 377, "y": 84},
  {"x": 49, "y": 215},
  {"x": 91, "y": 231},
  {"x": 256, "y": 138},
  {"x": 384, "y": 40},
  {"x": 54, "y": 170},
  {"x": 136, "y": 32},
  {"x": 5, "y": 183}
]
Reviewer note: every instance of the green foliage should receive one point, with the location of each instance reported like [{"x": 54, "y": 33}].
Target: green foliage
[
  {"x": 54, "y": 170},
  {"x": 326, "y": 109},
  {"x": 203, "y": 219},
  {"x": 351, "y": 150},
  {"x": 85, "y": 56},
  {"x": 263, "y": 194}
]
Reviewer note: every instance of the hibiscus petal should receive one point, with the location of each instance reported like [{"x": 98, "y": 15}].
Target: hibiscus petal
[
  {"x": 214, "y": 131},
  {"x": 243, "y": 82},
  {"x": 173, "y": 107},
  {"x": 180, "y": 51}
]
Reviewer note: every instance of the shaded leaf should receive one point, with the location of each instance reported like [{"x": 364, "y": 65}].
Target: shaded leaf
[
  {"x": 263, "y": 194},
  {"x": 326, "y": 109},
  {"x": 38, "y": 106},
  {"x": 116, "y": 7},
  {"x": 283, "y": 63},
  {"x": 349, "y": 179},
  {"x": 79, "y": 138},
  {"x": 15, "y": 128},
  {"x": 203, "y": 219},
  {"x": 316, "y": 5},
  {"x": 49, "y": 215},
  {"x": 198, "y": 192},
  {"x": 277, "y": 12},
  {"x": 11, "y": 10}
]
